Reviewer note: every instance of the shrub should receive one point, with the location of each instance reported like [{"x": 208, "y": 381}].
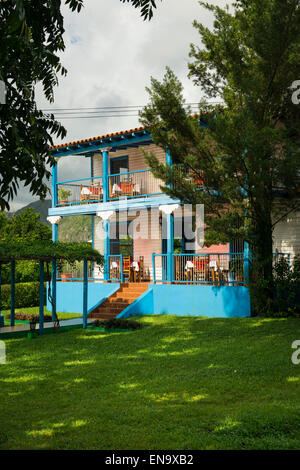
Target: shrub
[
  {"x": 118, "y": 323},
  {"x": 287, "y": 287},
  {"x": 26, "y": 294},
  {"x": 29, "y": 317}
]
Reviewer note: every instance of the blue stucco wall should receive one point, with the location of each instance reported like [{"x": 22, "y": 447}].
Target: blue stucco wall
[
  {"x": 207, "y": 301},
  {"x": 174, "y": 299},
  {"x": 69, "y": 295}
]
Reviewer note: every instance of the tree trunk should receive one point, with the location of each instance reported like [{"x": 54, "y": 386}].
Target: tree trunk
[{"x": 262, "y": 285}]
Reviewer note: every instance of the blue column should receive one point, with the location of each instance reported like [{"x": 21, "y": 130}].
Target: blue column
[
  {"x": 169, "y": 160},
  {"x": 54, "y": 272},
  {"x": 105, "y": 176},
  {"x": 246, "y": 263},
  {"x": 12, "y": 292},
  {"x": 170, "y": 246},
  {"x": 106, "y": 249},
  {"x": 1, "y": 316},
  {"x": 92, "y": 230},
  {"x": 92, "y": 169},
  {"x": 153, "y": 268},
  {"x": 0, "y": 286},
  {"x": 54, "y": 232},
  {"x": 230, "y": 260},
  {"x": 54, "y": 185},
  {"x": 53, "y": 275},
  {"x": 121, "y": 266},
  {"x": 41, "y": 314},
  {"x": 85, "y": 292}
]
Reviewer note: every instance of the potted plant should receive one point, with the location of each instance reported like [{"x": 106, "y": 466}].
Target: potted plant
[
  {"x": 32, "y": 331},
  {"x": 63, "y": 195},
  {"x": 65, "y": 270}
]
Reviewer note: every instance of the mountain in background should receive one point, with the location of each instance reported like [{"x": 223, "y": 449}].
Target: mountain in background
[
  {"x": 38, "y": 206},
  {"x": 76, "y": 228}
]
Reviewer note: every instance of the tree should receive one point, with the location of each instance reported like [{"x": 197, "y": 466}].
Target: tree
[
  {"x": 25, "y": 226},
  {"x": 246, "y": 151},
  {"x": 146, "y": 7},
  {"x": 31, "y": 37}
]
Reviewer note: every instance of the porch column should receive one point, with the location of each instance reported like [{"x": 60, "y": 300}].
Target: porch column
[
  {"x": 105, "y": 158},
  {"x": 54, "y": 184},
  {"x": 169, "y": 160},
  {"x": 0, "y": 286},
  {"x": 105, "y": 216},
  {"x": 1, "y": 316},
  {"x": 53, "y": 276},
  {"x": 41, "y": 312},
  {"x": 246, "y": 262},
  {"x": 168, "y": 211},
  {"x": 230, "y": 259},
  {"x": 12, "y": 292},
  {"x": 85, "y": 292},
  {"x": 54, "y": 220}
]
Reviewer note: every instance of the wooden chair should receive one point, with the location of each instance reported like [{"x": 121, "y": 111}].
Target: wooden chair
[
  {"x": 96, "y": 192},
  {"x": 141, "y": 268},
  {"x": 200, "y": 267},
  {"x": 126, "y": 267},
  {"x": 126, "y": 187}
]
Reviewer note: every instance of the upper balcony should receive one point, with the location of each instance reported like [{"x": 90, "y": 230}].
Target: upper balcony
[
  {"x": 129, "y": 184},
  {"x": 118, "y": 172}
]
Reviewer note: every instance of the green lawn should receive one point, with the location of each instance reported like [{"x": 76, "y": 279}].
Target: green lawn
[
  {"x": 179, "y": 383},
  {"x": 35, "y": 310}
]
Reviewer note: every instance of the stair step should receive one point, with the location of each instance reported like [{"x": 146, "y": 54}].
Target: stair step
[
  {"x": 112, "y": 306},
  {"x": 103, "y": 316},
  {"x": 117, "y": 302},
  {"x": 109, "y": 309},
  {"x": 126, "y": 295}
]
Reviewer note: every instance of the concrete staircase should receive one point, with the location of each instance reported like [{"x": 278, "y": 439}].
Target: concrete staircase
[{"x": 117, "y": 302}]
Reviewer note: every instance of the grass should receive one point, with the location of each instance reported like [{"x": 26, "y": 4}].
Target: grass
[
  {"x": 35, "y": 310},
  {"x": 180, "y": 383}
]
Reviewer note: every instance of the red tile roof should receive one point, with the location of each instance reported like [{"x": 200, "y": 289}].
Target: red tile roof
[{"x": 91, "y": 139}]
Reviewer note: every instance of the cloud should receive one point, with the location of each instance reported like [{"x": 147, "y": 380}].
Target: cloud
[{"x": 110, "y": 55}]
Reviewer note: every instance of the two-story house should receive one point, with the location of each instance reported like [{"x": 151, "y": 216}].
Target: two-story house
[{"x": 154, "y": 261}]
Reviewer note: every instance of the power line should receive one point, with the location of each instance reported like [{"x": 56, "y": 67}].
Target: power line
[
  {"x": 97, "y": 116},
  {"x": 110, "y": 108}
]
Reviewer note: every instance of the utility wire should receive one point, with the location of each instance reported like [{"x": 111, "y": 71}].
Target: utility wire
[{"x": 112, "y": 108}]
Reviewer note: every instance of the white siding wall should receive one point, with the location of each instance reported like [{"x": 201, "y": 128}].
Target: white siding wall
[
  {"x": 97, "y": 164},
  {"x": 286, "y": 236},
  {"x": 98, "y": 244}
]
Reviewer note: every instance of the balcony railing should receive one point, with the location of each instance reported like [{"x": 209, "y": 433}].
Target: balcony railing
[
  {"x": 206, "y": 268},
  {"x": 210, "y": 268},
  {"x": 80, "y": 191},
  {"x": 133, "y": 184}
]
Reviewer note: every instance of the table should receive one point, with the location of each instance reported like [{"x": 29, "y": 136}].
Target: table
[
  {"x": 114, "y": 267},
  {"x": 126, "y": 189},
  {"x": 91, "y": 192}
]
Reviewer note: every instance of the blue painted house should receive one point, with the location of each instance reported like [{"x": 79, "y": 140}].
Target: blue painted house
[{"x": 153, "y": 262}]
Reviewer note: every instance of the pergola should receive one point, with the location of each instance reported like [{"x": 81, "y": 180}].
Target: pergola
[{"x": 46, "y": 251}]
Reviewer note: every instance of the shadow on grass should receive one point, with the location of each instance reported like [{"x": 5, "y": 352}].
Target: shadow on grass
[{"x": 179, "y": 383}]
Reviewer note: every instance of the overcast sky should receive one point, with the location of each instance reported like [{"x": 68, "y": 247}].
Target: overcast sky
[{"x": 110, "y": 55}]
